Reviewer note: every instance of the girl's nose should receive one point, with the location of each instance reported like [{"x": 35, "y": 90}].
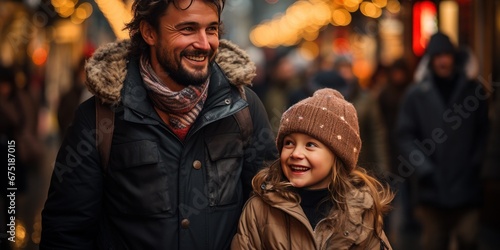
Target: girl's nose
[{"x": 297, "y": 153}]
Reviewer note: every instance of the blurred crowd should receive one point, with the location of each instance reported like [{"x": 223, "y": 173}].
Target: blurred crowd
[{"x": 393, "y": 110}]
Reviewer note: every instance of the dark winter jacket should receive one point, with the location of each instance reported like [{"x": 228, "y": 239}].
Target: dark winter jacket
[
  {"x": 442, "y": 143},
  {"x": 159, "y": 192}
]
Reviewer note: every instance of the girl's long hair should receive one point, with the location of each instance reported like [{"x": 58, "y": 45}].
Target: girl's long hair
[{"x": 342, "y": 182}]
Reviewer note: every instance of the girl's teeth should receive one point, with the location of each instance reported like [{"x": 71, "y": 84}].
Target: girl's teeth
[{"x": 299, "y": 169}]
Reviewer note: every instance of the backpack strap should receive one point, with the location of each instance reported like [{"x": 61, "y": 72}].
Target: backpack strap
[
  {"x": 244, "y": 120},
  {"x": 105, "y": 124}
]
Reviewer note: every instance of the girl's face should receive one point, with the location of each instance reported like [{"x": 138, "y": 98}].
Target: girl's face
[{"x": 306, "y": 162}]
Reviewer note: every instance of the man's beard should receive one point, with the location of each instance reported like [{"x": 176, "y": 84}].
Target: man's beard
[{"x": 181, "y": 75}]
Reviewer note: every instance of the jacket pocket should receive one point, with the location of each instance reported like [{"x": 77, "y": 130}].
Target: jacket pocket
[
  {"x": 137, "y": 182},
  {"x": 224, "y": 161}
]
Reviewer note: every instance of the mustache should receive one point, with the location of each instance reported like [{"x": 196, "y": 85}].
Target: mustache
[{"x": 197, "y": 53}]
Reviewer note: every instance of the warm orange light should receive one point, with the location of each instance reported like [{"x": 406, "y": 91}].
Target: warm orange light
[
  {"x": 309, "y": 50},
  {"x": 39, "y": 56},
  {"x": 341, "y": 45},
  {"x": 361, "y": 69},
  {"x": 393, "y": 6}
]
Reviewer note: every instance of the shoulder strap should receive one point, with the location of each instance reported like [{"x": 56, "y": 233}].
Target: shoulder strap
[
  {"x": 244, "y": 120},
  {"x": 105, "y": 119}
]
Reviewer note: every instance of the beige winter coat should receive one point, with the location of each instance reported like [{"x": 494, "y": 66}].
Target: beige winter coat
[{"x": 271, "y": 222}]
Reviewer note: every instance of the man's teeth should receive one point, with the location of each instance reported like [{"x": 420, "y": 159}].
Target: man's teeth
[{"x": 196, "y": 58}]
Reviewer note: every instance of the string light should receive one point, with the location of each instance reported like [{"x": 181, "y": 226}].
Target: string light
[{"x": 291, "y": 27}]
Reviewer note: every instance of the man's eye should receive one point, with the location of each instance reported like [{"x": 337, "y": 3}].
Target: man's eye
[
  {"x": 187, "y": 29},
  {"x": 213, "y": 30}
]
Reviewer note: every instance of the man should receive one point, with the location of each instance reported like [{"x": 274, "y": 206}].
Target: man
[
  {"x": 442, "y": 129},
  {"x": 179, "y": 168}
]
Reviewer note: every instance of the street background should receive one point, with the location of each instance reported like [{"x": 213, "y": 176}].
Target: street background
[{"x": 44, "y": 42}]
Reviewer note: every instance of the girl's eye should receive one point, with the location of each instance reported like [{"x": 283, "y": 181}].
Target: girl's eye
[
  {"x": 287, "y": 142},
  {"x": 311, "y": 144}
]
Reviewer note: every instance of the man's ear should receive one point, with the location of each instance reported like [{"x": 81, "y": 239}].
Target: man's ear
[{"x": 148, "y": 33}]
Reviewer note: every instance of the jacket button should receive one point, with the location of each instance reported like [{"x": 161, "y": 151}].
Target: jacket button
[
  {"x": 185, "y": 223},
  {"x": 197, "y": 164}
]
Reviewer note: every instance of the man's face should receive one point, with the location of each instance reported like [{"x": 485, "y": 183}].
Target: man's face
[
  {"x": 443, "y": 65},
  {"x": 345, "y": 70},
  {"x": 185, "y": 43}
]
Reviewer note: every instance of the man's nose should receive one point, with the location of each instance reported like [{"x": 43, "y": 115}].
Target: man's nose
[{"x": 202, "y": 41}]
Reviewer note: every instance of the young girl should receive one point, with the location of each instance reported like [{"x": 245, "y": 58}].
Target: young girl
[{"x": 314, "y": 196}]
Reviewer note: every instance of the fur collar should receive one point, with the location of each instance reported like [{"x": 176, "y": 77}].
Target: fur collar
[{"x": 107, "y": 68}]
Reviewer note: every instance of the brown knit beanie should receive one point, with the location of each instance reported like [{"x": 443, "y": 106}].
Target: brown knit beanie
[{"x": 328, "y": 117}]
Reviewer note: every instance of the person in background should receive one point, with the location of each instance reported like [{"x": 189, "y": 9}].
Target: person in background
[
  {"x": 19, "y": 142},
  {"x": 320, "y": 79},
  {"x": 70, "y": 100},
  {"x": 19, "y": 112},
  {"x": 180, "y": 166},
  {"x": 282, "y": 77},
  {"x": 314, "y": 196},
  {"x": 441, "y": 130},
  {"x": 374, "y": 156},
  {"x": 389, "y": 99},
  {"x": 401, "y": 226}
]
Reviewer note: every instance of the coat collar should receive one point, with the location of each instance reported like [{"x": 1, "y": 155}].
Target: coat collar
[{"x": 358, "y": 202}]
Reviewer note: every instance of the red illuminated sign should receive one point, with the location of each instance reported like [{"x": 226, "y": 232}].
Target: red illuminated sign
[{"x": 424, "y": 25}]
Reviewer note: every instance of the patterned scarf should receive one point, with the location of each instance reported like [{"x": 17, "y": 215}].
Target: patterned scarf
[{"x": 181, "y": 107}]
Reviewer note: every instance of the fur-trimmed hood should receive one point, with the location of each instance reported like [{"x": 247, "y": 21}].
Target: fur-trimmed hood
[{"x": 107, "y": 68}]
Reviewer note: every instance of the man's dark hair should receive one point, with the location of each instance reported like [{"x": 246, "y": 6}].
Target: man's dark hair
[{"x": 150, "y": 11}]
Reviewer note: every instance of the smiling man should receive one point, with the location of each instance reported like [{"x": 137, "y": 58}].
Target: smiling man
[{"x": 181, "y": 160}]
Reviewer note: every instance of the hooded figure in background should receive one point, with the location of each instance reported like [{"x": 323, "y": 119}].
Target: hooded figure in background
[{"x": 441, "y": 131}]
